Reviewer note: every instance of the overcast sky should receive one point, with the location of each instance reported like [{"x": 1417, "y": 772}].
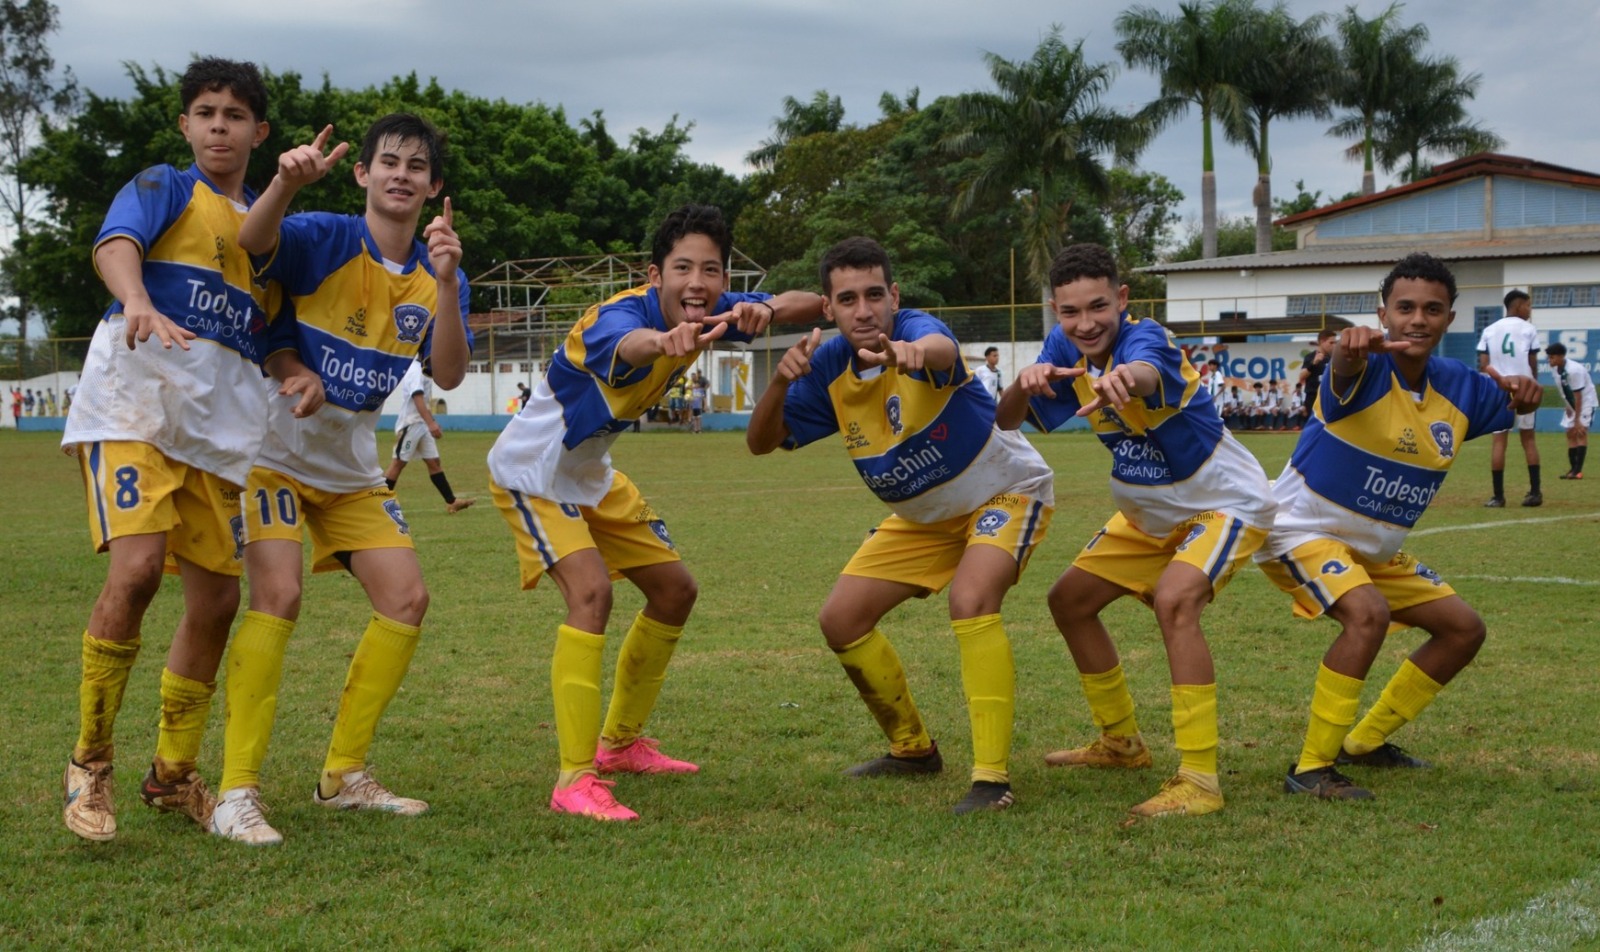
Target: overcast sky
[{"x": 726, "y": 66}]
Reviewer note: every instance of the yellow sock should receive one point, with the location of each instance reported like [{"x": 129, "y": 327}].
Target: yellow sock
[
  {"x": 1110, "y": 702},
  {"x": 375, "y": 674},
  {"x": 106, "y": 665},
  {"x": 255, "y": 668},
  {"x": 641, "y": 667},
  {"x": 989, "y": 677},
  {"x": 185, "y": 705},
  {"x": 875, "y": 669},
  {"x": 1194, "y": 727},
  {"x": 575, "y": 687},
  {"x": 1333, "y": 710},
  {"x": 1403, "y": 698}
]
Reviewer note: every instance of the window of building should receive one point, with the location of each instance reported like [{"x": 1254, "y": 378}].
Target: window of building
[
  {"x": 1566, "y": 295},
  {"x": 1301, "y": 305}
]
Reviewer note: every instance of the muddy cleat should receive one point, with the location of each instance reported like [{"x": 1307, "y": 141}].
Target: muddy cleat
[
  {"x": 1384, "y": 755},
  {"x": 460, "y": 504},
  {"x": 590, "y": 796},
  {"x": 1183, "y": 794},
  {"x": 188, "y": 796},
  {"x": 643, "y": 756},
  {"x": 86, "y": 806},
  {"x": 891, "y": 766},
  {"x": 1128, "y": 753},
  {"x": 985, "y": 795},
  {"x": 362, "y": 792},
  {"x": 1495, "y": 502},
  {"x": 1324, "y": 783},
  {"x": 1533, "y": 499},
  {"x": 241, "y": 817}
]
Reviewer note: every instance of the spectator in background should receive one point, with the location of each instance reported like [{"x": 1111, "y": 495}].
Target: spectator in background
[{"x": 989, "y": 373}]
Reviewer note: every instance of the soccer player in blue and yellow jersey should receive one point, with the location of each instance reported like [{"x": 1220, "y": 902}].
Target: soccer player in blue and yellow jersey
[
  {"x": 969, "y": 504},
  {"x": 583, "y": 523},
  {"x": 1388, "y": 425},
  {"x": 165, "y": 435},
  {"x": 1192, "y": 505},
  {"x": 365, "y": 297}
]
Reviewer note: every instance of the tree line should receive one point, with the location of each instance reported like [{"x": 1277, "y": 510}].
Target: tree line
[{"x": 957, "y": 188}]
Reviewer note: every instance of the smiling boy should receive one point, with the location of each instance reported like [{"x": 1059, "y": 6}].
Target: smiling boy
[
  {"x": 969, "y": 505},
  {"x": 321, "y": 472},
  {"x": 1386, "y": 429},
  {"x": 1192, "y": 505},
  {"x": 583, "y": 523}
]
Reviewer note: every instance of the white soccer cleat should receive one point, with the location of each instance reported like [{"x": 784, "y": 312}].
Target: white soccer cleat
[
  {"x": 240, "y": 816},
  {"x": 362, "y": 792}
]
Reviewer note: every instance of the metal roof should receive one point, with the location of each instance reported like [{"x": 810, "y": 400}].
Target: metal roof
[{"x": 1388, "y": 254}]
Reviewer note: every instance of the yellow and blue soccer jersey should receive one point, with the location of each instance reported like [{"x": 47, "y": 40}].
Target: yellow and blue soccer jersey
[
  {"x": 1171, "y": 456},
  {"x": 558, "y": 446},
  {"x": 1368, "y": 464},
  {"x": 205, "y": 406},
  {"x": 924, "y": 442},
  {"x": 357, "y": 320}
]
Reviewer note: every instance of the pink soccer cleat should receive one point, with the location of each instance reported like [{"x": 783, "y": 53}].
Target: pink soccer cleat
[
  {"x": 643, "y": 756},
  {"x": 590, "y": 796}
]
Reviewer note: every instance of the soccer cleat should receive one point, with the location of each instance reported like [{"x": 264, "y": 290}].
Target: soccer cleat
[
  {"x": 643, "y": 756},
  {"x": 1107, "y": 750},
  {"x": 188, "y": 796},
  {"x": 985, "y": 795},
  {"x": 86, "y": 806},
  {"x": 1533, "y": 499},
  {"x": 891, "y": 766},
  {"x": 1181, "y": 795},
  {"x": 590, "y": 796},
  {"x": 1578, "y": 475},
  {"x": 460, "y": 504},
  {"x": 1384, "y": 755},
  {"x": 1569, "y": 474},
  {"x": 1495, "y": 502},
  {"x": 362, "y": 792},
  {"x": 1324, "y": 783},
  {"x": 240, "y": 816}
]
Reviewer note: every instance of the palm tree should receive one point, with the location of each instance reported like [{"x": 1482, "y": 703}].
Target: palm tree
[
  {"x": 1196, "y": 53},
  {"x": 1428, "y": 114},
  {"x": 823, "y": 113},
  {"x": 1038, "y": 138},
  {"x": 1375, "y": 57},
  {"x": 1283, "y": 74}
]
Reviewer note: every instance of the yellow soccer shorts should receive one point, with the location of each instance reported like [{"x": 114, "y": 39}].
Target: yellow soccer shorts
[
  {"x": 623, "y": 527},
  {"x": 1319, "y": 572},
  {"x": 278, "y": 506},
  {"x": 135, "y": 489},
  {"x": 926, "y": 554},
  {"x": 1217, "y": 543}
]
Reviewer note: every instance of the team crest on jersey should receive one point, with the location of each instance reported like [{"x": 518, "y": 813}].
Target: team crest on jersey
[
  {"x": 1444, "y": 438},
  {"x": 991, "y": 522},
  {"x": 1334, "y": 567},
  {"x": 891, "y": 409},
  {"x": 237, "y": 525},
  {"x": 1195, "y": 532},
  {"x": 660, "y": 529},
  {"x": 410, "y": 320},
  {"x": 392, "y": 507},
  {"x": 1424, "y": 572}
]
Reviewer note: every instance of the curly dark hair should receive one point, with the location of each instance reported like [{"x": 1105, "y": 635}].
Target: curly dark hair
[
  {"x": 687, "y": 220},
  {"x": 1423, "y": 267},
  {"x": 1083, "y": 260},
  {"x": 211, "y": 74}
]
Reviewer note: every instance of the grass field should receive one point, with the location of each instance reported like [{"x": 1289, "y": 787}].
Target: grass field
[{"x": 769, "y": 847}]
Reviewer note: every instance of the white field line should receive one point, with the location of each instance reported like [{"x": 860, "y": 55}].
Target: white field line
[
  {"x": 1560, "y": 919},
  {"x": 1436, "y": 530},
  {"x": 1528, "y": 579}
]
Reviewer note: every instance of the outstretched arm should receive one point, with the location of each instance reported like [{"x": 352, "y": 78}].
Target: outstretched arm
[
  {"x": 1355, "y": 344},
  {"x": 121, "y": 267},
  {"x": 297, "y": 168},
  {"x": 1034, "y": 380}
]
